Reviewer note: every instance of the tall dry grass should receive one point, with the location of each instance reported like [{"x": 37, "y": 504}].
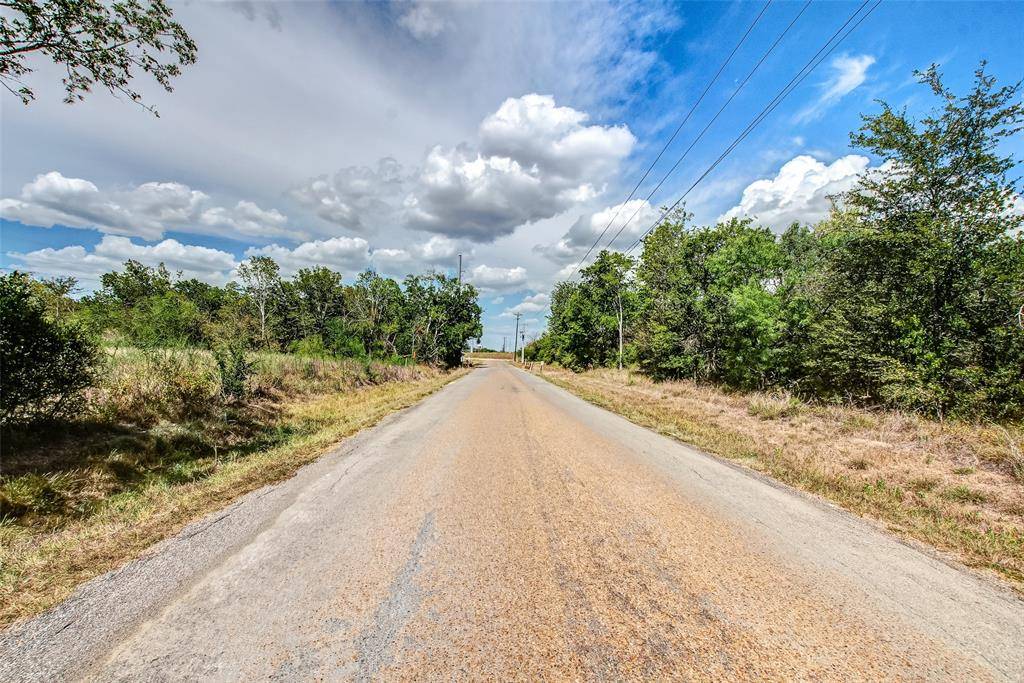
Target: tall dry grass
[{"x": 159, "y": 444}]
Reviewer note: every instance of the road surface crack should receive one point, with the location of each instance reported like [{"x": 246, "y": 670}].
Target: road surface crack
[{"x": 375, "y": 643}]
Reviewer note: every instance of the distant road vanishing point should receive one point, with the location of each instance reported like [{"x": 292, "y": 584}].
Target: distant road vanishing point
[{"x": 503, "y": 528}]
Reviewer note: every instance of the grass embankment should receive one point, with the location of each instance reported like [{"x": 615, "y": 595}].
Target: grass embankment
[
  {"x": 958, "y": 487},
  {"x": 159, "y": 447}
]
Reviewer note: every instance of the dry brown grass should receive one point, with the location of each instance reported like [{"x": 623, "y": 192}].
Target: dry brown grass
[
  {"x": 110, "y": 519},
  {"x": 958, "y": 487}
]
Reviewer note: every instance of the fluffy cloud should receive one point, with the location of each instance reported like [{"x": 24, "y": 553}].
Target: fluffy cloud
[
  {"x": 437, "y": 249},
  {"x": 636, "y": 215},
  {"x": 396, "y": 262},
  {"x": 537, "y": 133},
  {"x": 356, "y": 197},
  {"x": 422, "y": 21},
  {"x": 535, "y": 160},
  {"x": 144, "y": 211},
  {"x": 848, "y": 74},
  {"x": 493, "y": 278},
  {"x": 210, "y": 265},
  {"x": 530, "y": 304},
  {"x": 437, "y": 252},
  {"x": 343, "y": 254},
  {"x": 799, "y": 192},
  {"x": 246, "y": 219},
  {"x": 532, "y": 160}
]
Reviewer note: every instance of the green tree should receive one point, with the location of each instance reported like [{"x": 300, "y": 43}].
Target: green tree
[
  {"x": 321, "y": 297},
  {"x": 375, "y": 309},
  {"x": 45, "y": 364},
  {"x": 135, "y": 283},
  {"x": 56, "y": 293},
  {"x": 568, "y": 338},
  {"x": 590, "y": 320},
  {"x": 441, "y": 315},
  {"x": 167, "y": 320},
  {"x": 207, "y": 298},
  {"x": 93, "y": 42},
  {"x": 924, "y": 264},
  {"x": 710, "y": 302},
  {"x": 261, "y": 282}
]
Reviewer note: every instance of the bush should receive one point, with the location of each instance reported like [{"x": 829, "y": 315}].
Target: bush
[
  {"x": 44, "y": 365},
  {"x": 311, "y": 346},
  {"x": 234, "y": 370}
]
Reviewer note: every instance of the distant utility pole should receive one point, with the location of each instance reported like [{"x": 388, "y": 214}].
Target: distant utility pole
[
  {"x": 504, "y": 339},
  {"x": 515, "y": 338},
  {"x": 523, "y": 347},
  {"x": 460, "y": 269}
]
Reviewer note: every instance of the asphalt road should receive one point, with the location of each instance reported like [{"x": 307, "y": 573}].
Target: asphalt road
[{"x": 505, "y": 529}]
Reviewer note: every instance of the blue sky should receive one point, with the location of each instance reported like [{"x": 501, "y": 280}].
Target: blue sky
[{"x": 398, "y": 135}]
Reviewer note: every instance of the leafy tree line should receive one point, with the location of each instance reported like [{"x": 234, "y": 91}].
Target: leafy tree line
[
  {"x": 49, "y": 341},
  {"x": 907, "y": 295}
]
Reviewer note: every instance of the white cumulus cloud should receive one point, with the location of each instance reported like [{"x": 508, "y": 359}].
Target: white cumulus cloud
[
  {"x": 535, "y": 160},
  {"x": 346, "y": 255},
  {"x": 436, "y": 252},
  {"x": 246, "y": 219},
  {"x": 530, "y": 304},
  {"x": 209, "y": 265},
  {"x": 494, "y": 278},
  {"x": 146, "y": 211},
  {"x": 799, "y": 192}
]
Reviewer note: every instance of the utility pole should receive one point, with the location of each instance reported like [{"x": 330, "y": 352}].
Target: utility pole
[
  {"x": 460, "y": 269},
  {"x": 523, "y": 347},
  {"x": 515, "y": 338},
  {"x": 618, "y": 298},
  {"x": 503, "y": 340}
]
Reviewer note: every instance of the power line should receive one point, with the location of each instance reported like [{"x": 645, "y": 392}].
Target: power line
[
  {"x": 674, "y": 134},
  {"x": 770, "y": 107},
  {"x": 700, "y": 136}
]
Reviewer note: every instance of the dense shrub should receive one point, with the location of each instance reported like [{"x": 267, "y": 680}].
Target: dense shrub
[
  {"x": 234, "y": 369},
  {"x": 44, "y": 365}
]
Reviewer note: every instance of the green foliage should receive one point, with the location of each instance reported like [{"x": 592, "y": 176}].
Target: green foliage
[
  {"x": 45, "y": 364},
  {"x": 165, "y": 320},
  {"x": 56, "y": 292},
  {"x": 320, "y": 297},
  {"x": 311, "y": 346},
  {"x": 428, "y": 319},
  {"x": 907, "y": 295},
  {"x": 924, "y": 270},
  {"x": 374, "y": 308},
  {"x": 589, "y": 319},
  {"x": 92, "y": 42},
  {"x": 261, "y": 281},
  {"x": 136, "y": 283},
  {"x": 711, "y": 303},
  {"x": 342, "y": 339},
  {"x": 442, "y": 314},
  {"x": 234, "y": 370}
]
